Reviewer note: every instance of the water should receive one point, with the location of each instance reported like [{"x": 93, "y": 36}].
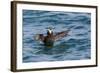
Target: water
[{"x": 75, "y": 46}]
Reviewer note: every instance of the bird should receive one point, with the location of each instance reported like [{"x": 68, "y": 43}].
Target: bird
[{"x": 51, "y": 37}]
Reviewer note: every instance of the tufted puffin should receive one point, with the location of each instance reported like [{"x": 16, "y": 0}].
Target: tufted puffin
[{"x": 50, "y": 38}]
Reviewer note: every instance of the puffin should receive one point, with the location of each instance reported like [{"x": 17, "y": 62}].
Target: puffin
[{"x": 51, "y": 37}]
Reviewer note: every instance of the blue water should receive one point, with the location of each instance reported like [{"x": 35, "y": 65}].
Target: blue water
[{"x": 75, "y": 46}]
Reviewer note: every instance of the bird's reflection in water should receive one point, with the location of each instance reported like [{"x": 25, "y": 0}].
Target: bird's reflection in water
[
  {"x": 45, "y": 50},
  {"x": 52, "y": 50}
]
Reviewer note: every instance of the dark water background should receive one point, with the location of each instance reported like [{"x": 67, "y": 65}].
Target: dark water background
[{"x": 76, "y": 46}]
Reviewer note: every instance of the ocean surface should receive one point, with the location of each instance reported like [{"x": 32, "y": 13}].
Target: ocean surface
[{"x": 75, "y": 46}]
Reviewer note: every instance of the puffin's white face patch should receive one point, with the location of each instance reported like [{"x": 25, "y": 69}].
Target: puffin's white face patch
[{"x": 50, "y": 31}]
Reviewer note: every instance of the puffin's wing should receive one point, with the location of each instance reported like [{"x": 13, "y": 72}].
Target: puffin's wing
[
  {"x": 39, "y": 37},
  {"x": 60, "y": 35}
]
